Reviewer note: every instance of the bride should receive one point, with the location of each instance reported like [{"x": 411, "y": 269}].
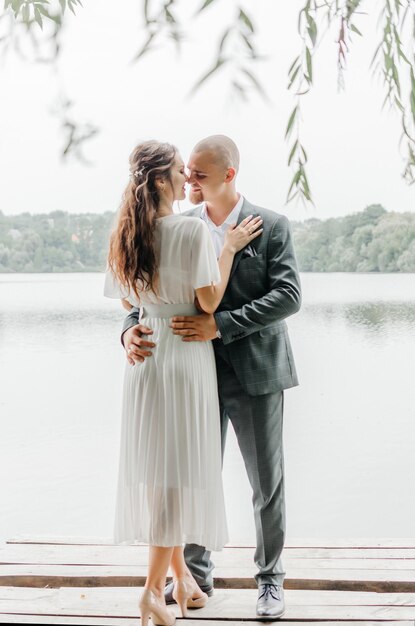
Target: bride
[{"x": 169, "y": 483}]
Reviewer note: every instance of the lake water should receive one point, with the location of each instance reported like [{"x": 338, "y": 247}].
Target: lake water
[{"x": 349, "y": 431}]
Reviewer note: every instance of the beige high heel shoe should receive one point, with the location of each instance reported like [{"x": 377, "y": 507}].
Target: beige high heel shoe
[
  {"x": 151, "y": 606},
  {"x": 183, "y": 592}
]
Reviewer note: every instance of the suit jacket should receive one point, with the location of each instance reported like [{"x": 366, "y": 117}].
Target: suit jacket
[{"x": 263, "y": 290}]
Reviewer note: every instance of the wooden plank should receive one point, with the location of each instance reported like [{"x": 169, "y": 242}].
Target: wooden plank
[
  {"x": 59, "y": 554},
  {"x": 349, "y": 553},
  {"x": 331, "y": 542},
  {"x": 248, "y": 551},
  {"x": 132, "y": 621},
  {"x": 19, "y": 618},
  {"x": 129, "y": 576},
  {"x": 68, "y": 565},
  {"x": 224, "y": 605}
]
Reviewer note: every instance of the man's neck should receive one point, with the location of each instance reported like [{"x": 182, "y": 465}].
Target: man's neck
[{"x": 219, "y": 209}]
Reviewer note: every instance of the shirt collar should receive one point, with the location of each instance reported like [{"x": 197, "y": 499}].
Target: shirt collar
[{"x": 232, "y": 217}]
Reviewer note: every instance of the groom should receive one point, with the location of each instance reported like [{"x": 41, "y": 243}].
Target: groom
[{"x": 254, "y": 360}]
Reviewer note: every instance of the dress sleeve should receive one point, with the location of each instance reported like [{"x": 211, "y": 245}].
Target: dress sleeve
[
  {"x": 112, "y": 288},
  {"x": 204, "y": 265}
]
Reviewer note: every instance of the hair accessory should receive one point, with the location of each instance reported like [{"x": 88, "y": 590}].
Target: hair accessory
[{"x": 139, "y": 172}]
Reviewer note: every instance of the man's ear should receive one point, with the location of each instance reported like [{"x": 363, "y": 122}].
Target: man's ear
[{"x": 230, "y": 175}]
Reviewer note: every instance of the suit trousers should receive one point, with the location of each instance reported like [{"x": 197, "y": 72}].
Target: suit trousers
[{"x": 258, "y": 422}]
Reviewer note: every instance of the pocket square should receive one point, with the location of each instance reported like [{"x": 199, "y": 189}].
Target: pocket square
[{"x": 249, "y": 251}]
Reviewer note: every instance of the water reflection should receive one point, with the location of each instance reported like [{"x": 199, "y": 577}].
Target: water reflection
[
  {"x": 374, "y": 317},
  {"x": 380, "y": 316}
]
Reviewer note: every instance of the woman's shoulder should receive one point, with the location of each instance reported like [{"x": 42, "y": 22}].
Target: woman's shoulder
[
  {"x": 179, "y": 218},
  {"x": 186, "y": 223}
]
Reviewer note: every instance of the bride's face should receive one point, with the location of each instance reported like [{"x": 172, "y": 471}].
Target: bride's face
[
  {"x": 178, "y": 178},
  {"x": 206, "y": 176}
]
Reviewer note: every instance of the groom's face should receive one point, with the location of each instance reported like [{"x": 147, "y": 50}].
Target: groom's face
[{"x": 206, "y": 176}]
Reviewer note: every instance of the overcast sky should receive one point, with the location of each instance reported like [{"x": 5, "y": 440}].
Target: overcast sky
[{"x": 352, "y": 144}]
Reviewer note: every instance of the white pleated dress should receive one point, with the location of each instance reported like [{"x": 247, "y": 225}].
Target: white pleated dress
[{"x": 170, "y": 488}]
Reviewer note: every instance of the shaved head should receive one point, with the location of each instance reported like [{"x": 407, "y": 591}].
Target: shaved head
[{"x": 222, "y": 149}]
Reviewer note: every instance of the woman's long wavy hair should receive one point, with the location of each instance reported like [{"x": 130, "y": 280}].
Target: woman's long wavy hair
[{"x": 132, "y": 256}]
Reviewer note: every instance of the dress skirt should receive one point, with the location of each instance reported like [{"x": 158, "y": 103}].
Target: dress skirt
[{"x": 169, "y": 484}]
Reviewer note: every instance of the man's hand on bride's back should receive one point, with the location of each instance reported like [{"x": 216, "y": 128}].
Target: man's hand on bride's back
[
  {"x": 137, "y": 343},
  {"x": 237, "y": 237}
]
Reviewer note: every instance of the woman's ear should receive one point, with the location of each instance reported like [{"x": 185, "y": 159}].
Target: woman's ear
[{"x": 160, "y": 184}]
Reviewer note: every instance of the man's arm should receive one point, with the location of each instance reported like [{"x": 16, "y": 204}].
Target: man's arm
[
  {"x": 282, "y": 300},
  {"x": 134, "y": 338},
  {"x": 131, "y": 320}
]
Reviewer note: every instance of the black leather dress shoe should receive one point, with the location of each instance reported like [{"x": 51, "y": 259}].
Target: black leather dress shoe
[
  {"x": 168, "y": 592},
  {"x": 270, "y": 601}
]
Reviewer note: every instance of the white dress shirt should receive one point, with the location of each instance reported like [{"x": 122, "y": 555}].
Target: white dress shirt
[{"x": 218, "y": 232}]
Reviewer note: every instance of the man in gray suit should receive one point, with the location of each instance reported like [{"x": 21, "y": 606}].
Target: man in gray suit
[{"x": 253, "y": 355}]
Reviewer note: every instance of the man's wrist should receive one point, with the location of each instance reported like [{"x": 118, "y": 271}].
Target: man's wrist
[{"x": 217, "y": 329}]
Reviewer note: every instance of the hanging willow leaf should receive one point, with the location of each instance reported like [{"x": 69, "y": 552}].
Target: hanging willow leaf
[
  {"x": 16, "y": 6},
  {"x": 145, "y": 48},
  {"x": 38, "y": 17},
  {"x": 355, "y": 30},
  {"x": 312, "y": 29},
  {"x": 294, "y": 76},
  {"x": 223, "y": 39},
  {"x": 309, "y": 64},
  {"x": 240, "y": 89},
  {"x": 26, "y": 13},
  {"x": 294, "y": 181},
  {"x": 43, "y": 11},
  {"x": 249, "y": 45},
  {"x": 291, "y": 121},
  {"x": 219, "y": 63},
  {"x": 246, "y": 20},
  {"x": 204, "y": 6},
  {"x": 293, "y": 64},
  {"x": 254, "y": 81},
  {"x": 293, "y": 151}
]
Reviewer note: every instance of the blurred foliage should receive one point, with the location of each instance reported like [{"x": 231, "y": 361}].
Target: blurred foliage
[
  {"x": 32, "y": 29},
  {"x": 373, "y": 240},
  {"x": 238, "y": 49}
]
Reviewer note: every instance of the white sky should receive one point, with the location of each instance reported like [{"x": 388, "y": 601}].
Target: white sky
[{"x": 352, "y": 144}]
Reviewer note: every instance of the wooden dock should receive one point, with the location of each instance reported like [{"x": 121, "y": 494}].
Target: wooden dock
[{"x": 58, "y": 580}]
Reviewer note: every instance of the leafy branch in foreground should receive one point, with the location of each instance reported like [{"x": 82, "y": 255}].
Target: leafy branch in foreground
[
  {"x": 394, "y": 55},
  {"x": 393, "y": 61},
  {"x": 390, "y": 56},
  {"x": 236, "y": 50},
  {"x": 32, "y": 29},
  {"x": 30, "y": 11}
]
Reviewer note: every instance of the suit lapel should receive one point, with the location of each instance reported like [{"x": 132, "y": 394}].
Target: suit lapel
[{"x": 247, "y": 209}]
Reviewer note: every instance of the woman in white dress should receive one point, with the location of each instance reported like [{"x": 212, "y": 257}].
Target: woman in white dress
[{"x": 169, "y": 485}]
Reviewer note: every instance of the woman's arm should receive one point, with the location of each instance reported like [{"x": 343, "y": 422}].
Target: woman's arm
[
  {"x": 126, "y": 304},
  {"x": 236, "y": 238}
]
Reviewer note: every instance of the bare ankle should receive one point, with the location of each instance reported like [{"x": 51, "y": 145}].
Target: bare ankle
[{"x": 157, "y": 590}]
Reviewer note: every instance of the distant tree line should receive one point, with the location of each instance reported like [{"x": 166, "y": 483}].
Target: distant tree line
[
  {"x": 373, "y": 240},
  {"x": 54, "y": 242}
]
